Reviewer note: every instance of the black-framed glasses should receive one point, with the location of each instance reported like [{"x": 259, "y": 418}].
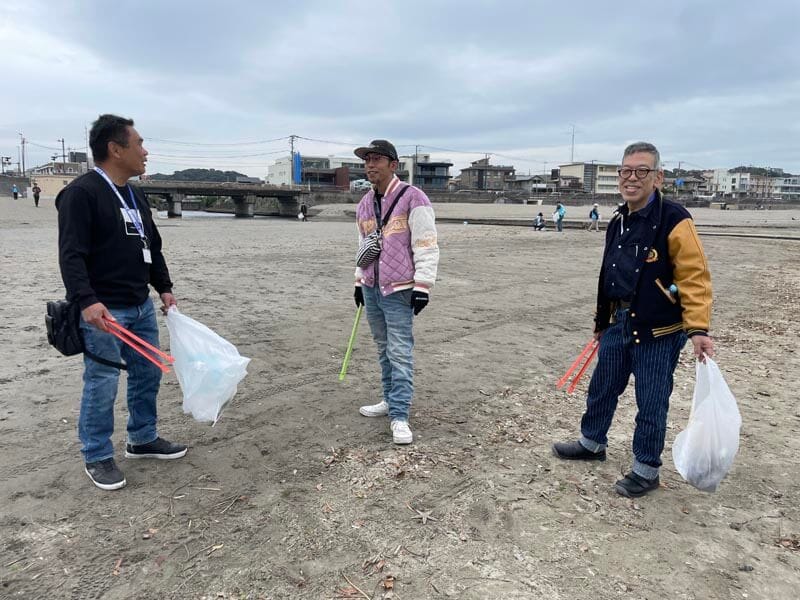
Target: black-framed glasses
[{"x": 641, "y": 172}]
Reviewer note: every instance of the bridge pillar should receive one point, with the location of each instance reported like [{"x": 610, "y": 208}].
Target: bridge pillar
[
  {"x": 175, "y": 205},
  {"x": 288, "y": 207},
  {"x": 245, "y": 206}
]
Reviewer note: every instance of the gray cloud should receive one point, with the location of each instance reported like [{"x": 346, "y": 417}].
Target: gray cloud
[{"x": 712, "y": 83}]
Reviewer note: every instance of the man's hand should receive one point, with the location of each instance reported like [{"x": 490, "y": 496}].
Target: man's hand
[
  {"x": 168, "y": 300},
  {"x": 702, "y": 344},
  {"x": 94, "y": 315},
  {"x": 419, "y": 300},
  {"x": 358, "y": 296}
]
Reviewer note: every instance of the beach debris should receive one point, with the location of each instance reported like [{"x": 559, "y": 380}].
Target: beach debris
[
  {"x": 117, "y": 565},
  {"x": 423, "y": 515}
]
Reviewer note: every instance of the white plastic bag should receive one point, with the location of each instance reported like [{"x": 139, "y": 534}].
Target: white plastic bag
[
  {"x": 703, "y": 452},
  {"x": 208, "y": 367}
]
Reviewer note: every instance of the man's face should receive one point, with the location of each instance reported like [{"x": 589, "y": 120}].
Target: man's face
[
  {"x": 133, "y": 156},
  {"x": 380, "y": 169},
  {"x": 634, "y": 188}
]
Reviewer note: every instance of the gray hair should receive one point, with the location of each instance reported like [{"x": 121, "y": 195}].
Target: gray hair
[{"x": 644, "y": 147}]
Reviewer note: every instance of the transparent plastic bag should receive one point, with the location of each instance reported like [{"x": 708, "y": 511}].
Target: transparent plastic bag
[
  {"x": 209, "y": 368},
  {"x": 703, "y": 453}
]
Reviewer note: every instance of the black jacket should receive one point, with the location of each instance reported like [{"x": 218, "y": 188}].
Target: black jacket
[
  {"x": 671, "y": 253},
  {"x": 100, "y": 257}
]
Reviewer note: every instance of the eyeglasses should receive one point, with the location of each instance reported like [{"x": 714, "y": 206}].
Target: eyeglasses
[{"x": 641, "y": 172}]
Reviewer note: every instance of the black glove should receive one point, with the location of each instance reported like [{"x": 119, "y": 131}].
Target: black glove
[
  {"x": 419, "y": 300},
  {"x": 358, "y": 296}
]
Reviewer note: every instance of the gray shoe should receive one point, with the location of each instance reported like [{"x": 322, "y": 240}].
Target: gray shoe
[{"x": 105, "y": 474}]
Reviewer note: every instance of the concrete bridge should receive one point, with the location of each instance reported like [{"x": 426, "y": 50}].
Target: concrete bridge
[{"x": 243, "y": 195}]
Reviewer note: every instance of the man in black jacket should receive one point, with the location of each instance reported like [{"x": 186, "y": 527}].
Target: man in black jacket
[
  {"x": 654, "y": 290},
  {"x": 109, "y": 252}
]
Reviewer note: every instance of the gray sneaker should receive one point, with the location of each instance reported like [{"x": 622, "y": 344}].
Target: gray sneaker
[
  {"x": 105, "y": 474},
  {"x": 158, "y": 448}
]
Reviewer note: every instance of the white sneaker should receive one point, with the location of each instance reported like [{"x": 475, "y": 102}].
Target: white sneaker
[
  {"x": 381, "y": 409},
  {"x": 401, "y": 432}
]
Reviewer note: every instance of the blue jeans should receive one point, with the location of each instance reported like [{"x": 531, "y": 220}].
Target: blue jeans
[
  {"x": 391, "y": 319},
  {"x": 652, "y": 365},
  {"x": 560, "y": 225},
  {"x": 96, "y": 421}
]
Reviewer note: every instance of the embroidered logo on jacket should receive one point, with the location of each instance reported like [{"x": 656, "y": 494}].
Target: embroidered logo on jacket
[
  {"x": 396, "y": 224},
  {"x": 652, "y": 256}
]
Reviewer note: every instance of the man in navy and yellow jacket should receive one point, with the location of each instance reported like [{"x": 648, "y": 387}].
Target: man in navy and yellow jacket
[{"x": 654, "y": 290}]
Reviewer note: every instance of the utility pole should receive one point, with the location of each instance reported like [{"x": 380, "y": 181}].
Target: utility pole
[
  {"x": 291, "y": 146},
  {"x": 22, "y": 138},
  {"x": 414, "y": 171},
  {"x": 572, "y": 149},
  {"x": 63, "y": 154}
]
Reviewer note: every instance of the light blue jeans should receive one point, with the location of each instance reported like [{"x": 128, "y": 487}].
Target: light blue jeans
[
  {"x": 391, "y": 320},
  {"x": 96, "y": 421}
]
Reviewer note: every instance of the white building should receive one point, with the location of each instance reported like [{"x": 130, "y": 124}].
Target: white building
[{"x": 596, "y": 178}]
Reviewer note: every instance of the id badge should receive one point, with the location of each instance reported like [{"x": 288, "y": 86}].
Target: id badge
[{"x": 146, "y": 254}]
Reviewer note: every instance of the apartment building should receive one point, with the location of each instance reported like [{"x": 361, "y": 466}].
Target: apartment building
[{"x": 481, "y": 175}]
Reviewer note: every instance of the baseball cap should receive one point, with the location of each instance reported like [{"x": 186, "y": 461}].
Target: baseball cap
[{"x": 381, "y": 147}]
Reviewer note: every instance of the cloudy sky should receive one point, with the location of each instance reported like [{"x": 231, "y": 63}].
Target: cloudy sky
[{"x": 712, "y": 83}]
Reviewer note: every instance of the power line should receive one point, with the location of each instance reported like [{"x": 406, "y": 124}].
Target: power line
[
  {"x": 215, "y": 157},
  {"x": 182, "y": 143}
]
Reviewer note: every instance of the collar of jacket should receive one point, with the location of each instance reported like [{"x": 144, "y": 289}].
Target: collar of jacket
[{"x": 393, "y": 184}]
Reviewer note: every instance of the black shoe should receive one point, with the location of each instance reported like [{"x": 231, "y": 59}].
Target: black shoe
[
  {"x": 635, "y": 485},
  {"x": 158, "y": 448},
  {"x": 105, "y": 474},
  {"x": 576, "y": 451}
]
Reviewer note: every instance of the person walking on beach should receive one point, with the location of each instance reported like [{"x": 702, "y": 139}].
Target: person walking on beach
[
  {"x": 594, "y": 218},
  {"x": 36, "y": 191},
  {"x": 303, "y": 212},
  {"x": 109, "y": 251},
  {"x": 15, "y": 191},
  {"x": 641, "y": 325},
  {"x": 558, "y": 216},
  {"x": 396, "y": 286}
]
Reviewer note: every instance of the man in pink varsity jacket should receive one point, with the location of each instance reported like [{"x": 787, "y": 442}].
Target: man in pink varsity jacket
[{"x": 396, "y": 286}]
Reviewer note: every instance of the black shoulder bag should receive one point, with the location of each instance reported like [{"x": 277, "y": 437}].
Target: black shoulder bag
[
  {"x": 370, "y": 248},
  {"x": 63, "y": 320}
]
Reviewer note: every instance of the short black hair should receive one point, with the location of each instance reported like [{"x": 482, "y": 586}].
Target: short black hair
[{"x": 108, "y": 128}]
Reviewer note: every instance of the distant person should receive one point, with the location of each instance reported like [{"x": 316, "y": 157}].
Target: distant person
[
  {"x": 558, "y": 216},
  {"x": 36, "y": 191},
  {"x": 594, "y": 218},
  {"x": 395, "y": 287},
  {"x": 109, "y": 251},
  {"x": 538, "y": 222},
  {"x": 641, "y": 325},
  {"x": 15, "y": 191},
  {"x": 303, "y": 212}
]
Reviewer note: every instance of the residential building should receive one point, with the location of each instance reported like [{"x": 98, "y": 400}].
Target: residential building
[
  {"x": 481, "y": 175},
  {"x": 595, "y": 177},
  {"x": 532, "y": 184},
  {"x": 321, "y": 172},
  {"x": 427, "y": 174},
  {"x": 787, "y": 187}
]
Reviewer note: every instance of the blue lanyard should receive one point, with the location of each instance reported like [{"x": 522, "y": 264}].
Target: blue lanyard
[{"x": 133, "y": 214}]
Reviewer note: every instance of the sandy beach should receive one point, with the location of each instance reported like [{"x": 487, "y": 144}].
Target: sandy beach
[{"x": 294, "y": 495}]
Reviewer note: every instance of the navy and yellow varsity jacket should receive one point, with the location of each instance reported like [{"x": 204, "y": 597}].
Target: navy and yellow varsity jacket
[{"x": 669, "y": 252}]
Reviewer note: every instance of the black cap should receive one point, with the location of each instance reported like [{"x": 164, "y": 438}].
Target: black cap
[{"x": 381, "y": 147}]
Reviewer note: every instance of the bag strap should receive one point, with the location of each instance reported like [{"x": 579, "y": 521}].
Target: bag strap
[
  {"x": 103, "y": 361},
  {"x": 391, "y": 208}
]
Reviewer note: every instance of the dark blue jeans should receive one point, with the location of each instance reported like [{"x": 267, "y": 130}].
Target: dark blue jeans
[
  {"x": 96, "y": 421},
  {"x": 391, "y": 319},
  {"x": 652, "y": 365}
]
